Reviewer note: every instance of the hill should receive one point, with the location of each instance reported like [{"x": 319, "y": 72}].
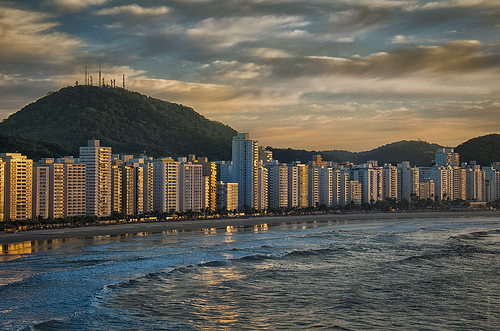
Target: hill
[
  {"x": 129, "y": 122},
  {"x": 484, "y": 150},
  {"x": 33, "y": 148},
  {"x": 419, "y": 153}
]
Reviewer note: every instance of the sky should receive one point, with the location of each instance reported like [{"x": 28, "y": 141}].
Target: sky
[{"x": 305, "y": 74}]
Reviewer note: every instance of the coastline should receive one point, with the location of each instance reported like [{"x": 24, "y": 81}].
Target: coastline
[{"x": 144, "y": 228}]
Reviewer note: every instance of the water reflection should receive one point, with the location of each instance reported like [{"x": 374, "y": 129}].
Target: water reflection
[{"x": 12, "y": 251}]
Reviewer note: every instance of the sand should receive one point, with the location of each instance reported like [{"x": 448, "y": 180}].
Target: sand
[{"x": 195, "y": 225}]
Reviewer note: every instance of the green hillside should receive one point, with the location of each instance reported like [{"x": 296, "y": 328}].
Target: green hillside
[
  {"x": 129, "y": 122},
  {"x": 34, "y": 148},
  {"x": 484, "y": 150},
  {"x": 419, "y": 153}
]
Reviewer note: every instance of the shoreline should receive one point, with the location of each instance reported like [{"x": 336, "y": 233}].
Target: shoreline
[{"x": 141, "y": 228}]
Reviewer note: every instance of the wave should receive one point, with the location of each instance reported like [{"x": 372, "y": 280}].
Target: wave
[{"x": 475, "y": 234}]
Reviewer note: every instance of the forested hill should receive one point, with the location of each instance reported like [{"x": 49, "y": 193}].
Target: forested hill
[
  {"x": 129, "y": 122},
  {"x": 484, "y": 150},
  {"x": 419, "y": 153}
]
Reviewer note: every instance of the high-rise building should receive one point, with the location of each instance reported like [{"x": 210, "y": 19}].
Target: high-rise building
[
  {"x": 313, "y": 186},
  {"x": 245, "y": 155},
  {"x": 74, "y": 187},
  {"x": 262, "y": 193},
  {"x": 166, "y": 186},
  {"x": 303, "y": 184},
  {"x": 191, "y": 186},
  {"x": 442, "y": 176},
  {"x": 49, "y": 198},
  {"x": 447, "y": 157},
  {"x": 491, "y": 183},
  {"x": 371, "y": 182},
  {"x": 293, "y": 186},
  {"x": 18, "y": 186},
  {"x": 426, "y": 189},
  {"x": 227, "y": 196},
  {"x": 390, "y": 181},
  {"x": 210, "y": 171},
  {"x": 97, "y": 160},
  {"x": 408, "y": 181},
  {"x": 2, "y": 190},
  {"x": 475, "y": 181},
  {"x": 326, "y": 193},
  {"x": 277, "y": 174}
]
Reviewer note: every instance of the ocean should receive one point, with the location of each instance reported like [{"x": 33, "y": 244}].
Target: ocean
[{"x": 398, "y": 274}]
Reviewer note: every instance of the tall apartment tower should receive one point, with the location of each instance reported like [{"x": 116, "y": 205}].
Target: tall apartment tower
[
  {"x": 408, "y": 181},
  {"x": 191, "y": 187},
  {"x": 166, "y": 186},
  {"x": 277, "y": 184},
  {"x": 390, "y": 181},
  {"x": 18, "y": 186},
  {"x": 245, "y": 155},
  {"x": 210, "y": 171},
  {"x": 48, "y": 189},
  {"x": 2, "y": 190},
  {"x": 447, "y": 157},
  {"x": 97, "y": 162},
  {"x": 74, "y": 187}
]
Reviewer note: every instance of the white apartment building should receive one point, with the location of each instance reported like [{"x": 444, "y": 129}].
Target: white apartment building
[
  {"x": 191, "y": 187},
  {"x": 277, "y": 174},
  {"x": 166, "y": 186},
  {"x": 97, "y": 160},
  {"x": 18, "y": 186},
  {"x": 245, "y": 156}
]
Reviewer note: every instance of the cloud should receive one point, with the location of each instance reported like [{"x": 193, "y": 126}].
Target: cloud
[
  {"x": 73, "y": 6},
  {"x": 134, "y": 10},
  {"x": 456, "y": 57},
  {"x": 223, "y": 33},
  {"x": 28, "y": 40}
]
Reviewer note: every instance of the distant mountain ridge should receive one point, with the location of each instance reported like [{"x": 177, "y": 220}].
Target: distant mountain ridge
[
  {"x": 131, "y": 123},
  {"x": 416, "y": 152},
  {"x": 484, "y": 150},
  {"x": 127, "y": 121}
]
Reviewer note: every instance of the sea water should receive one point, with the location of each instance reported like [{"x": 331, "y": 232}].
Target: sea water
[{"x": 408, "y": 274}]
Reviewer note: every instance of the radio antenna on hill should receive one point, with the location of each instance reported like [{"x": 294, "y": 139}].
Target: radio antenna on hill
[
  {"x": 123, "y": 81},
  {"x": 86, "y": 76},
  {"x": 99, "y": 74}
]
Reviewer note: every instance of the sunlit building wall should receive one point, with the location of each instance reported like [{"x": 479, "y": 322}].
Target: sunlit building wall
[
  {"x": 97, "y": 160},
  {"x": 166, "y": 186},
  {"x": 326, "y": 186},
  {"x": 390, "y": 181},
  {"x": 492, "y": 183},
  {"x": 74, "y": 187},
  {"x": 191, "y": 186},
  {"x": 408, "y": 179},
  {"x": 48, "y": 189},
  {"x": 474, "y": 182},
  {"x": 447, "y": 157},
  {"x": 227, "y": 196},
  {"x": 209, "y": 171},
  {"x": 245, "y": 156},
  {"x": 116, "y": 186},
  {"x": 355, "y": 192},
  {"x": 18, "y": 186},
  {"x": 277, "y": 184},
  {"x": 293, "y": 186},
  {"x": 426, "y": 189},
  {"x": 313, "y": 186},
  {"x": 459, "y": 184},
  {"x": 262, "y": 188},
  {"x": 442, "y": 176},
  {"x": 2, "y": 190}
]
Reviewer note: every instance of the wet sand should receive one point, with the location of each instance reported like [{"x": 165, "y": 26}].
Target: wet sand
[{"x": 194, "y": 225}]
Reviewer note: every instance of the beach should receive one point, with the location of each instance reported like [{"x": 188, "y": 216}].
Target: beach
[{"x": 194, "y": 225}]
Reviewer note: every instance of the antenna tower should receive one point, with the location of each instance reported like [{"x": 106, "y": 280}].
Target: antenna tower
[
  {"x": 123, "y": 81},
  {"x": 86, "y": 76},
  {"x": 99, "y": 74}
]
